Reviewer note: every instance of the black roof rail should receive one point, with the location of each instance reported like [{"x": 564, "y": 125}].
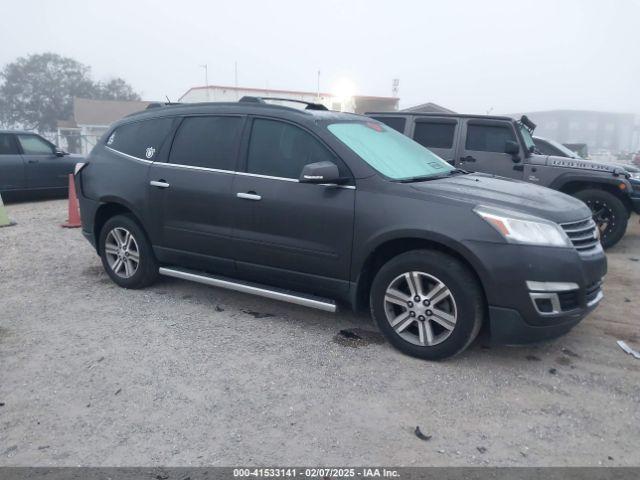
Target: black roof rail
[
  {"x": 161, "y": 104},
  {"x": 309, "y": 105}
]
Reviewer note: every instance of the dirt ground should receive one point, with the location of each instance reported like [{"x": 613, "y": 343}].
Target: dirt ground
[{"x": 184, "y": 374}]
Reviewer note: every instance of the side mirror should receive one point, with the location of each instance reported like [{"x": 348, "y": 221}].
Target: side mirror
[
  {"x": 59, "y": 152},
  {"x": 513, "y": 149},
  {"x": 321, "y": 172}
]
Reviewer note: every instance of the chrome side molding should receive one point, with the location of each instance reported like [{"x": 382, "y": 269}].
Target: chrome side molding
[{"x": 252, "y": 288}]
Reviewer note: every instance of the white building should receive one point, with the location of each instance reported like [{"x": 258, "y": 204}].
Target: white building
[
  {"x": 90, "y": 119},
  {"x": 353, "y": 103}
]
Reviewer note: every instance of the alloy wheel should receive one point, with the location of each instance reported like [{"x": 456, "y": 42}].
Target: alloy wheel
[
  {"x": 603, "y": 216},
  {"x": 420, "y": 308},
  {"x": 122, "y": 252}
]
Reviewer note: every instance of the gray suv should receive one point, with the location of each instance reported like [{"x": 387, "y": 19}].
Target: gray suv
[
  {"x": 324, "y": 209},
  {"x": 504, "y": 146}
]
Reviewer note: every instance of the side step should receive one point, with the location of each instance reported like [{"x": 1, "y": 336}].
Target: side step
[{"x": 252, "y": 288}]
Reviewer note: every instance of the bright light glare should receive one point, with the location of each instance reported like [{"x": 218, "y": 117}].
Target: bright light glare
[{"x": 344, "y": 88}]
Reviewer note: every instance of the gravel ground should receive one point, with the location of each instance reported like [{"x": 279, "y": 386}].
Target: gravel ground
[{"x": 184, "y": 374}]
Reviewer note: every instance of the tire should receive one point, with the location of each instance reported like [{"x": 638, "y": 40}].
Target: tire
[
  {"x": 609, "y": 213},
  {"x": 120, "y": 262},
  {"x": 465, "y": 304}
]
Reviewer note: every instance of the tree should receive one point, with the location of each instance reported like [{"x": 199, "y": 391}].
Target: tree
[
  {"x": 38, "y": 90},
  {"x": 115, "y": 89}
]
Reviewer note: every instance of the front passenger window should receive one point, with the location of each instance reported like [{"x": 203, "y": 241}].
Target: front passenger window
[
  {"x": 34, "y": 145},
  {"x": 279, "y": 149},
  {"x": 488, "y": 138}
]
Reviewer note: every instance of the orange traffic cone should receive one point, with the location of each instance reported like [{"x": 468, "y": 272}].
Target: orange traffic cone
[{"x": 73, "y": 219}]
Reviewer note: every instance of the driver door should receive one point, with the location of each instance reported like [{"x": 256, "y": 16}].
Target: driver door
[
  {"x": 483, "y": 149},
  {"x": 45, "y": 169}
]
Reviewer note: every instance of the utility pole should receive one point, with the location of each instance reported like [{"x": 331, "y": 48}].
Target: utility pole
[{"x": 206, "y": 78}]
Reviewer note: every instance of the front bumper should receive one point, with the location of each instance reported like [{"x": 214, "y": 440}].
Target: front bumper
[{"x": 536, "y": 293}]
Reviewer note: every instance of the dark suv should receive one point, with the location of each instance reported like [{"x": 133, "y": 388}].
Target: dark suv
[
  {"x": 320, "y": 208},
  {"x": 503, "y": 146}
]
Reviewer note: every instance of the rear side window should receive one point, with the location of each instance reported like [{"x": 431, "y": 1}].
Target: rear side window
[
  {"x": 279, "y": 149},
  {"x": 488, "y": 138},
  {"x": 208, "y": 142},
  {"x": 141, "y": 139},
  {"x": 434, "y": 135},
  {"x": 8, "y": 145},
  {"x": 397, "y": 123},
  {"x": 34, "y": 145}
]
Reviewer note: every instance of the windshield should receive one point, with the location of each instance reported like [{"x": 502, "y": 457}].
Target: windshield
[
  {"x": 568, "y": 152},
  {"x": 388, "y": 151},
  {"x": 526, "y": 136}
]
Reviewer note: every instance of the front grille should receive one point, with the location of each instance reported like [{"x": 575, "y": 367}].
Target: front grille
[
  {"x": 583, "y": 234},
  {"x": 569, "y": 300}
]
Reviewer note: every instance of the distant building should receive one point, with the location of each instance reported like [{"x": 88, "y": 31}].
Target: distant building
[
  {"x": 428, "y": 107},
  {"x": 90, "y": 119},
  {"x": 354, "y": 103},
  {"x": 614, "y": 132}
]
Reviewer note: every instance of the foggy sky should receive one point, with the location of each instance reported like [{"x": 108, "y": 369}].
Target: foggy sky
[{"x": 470, "y": 56}]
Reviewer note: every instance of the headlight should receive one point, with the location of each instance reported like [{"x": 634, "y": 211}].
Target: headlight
[{"x": 521, "y": 228}]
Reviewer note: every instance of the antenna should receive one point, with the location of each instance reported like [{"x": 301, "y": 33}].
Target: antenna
[{"x": 167, "y": 97}]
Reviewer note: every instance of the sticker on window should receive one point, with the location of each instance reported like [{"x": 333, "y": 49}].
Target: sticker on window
[
  {"x": 375, "y": 126},
  {"x": 112, "y": 137},
  {"x": 150, "y": 152}
]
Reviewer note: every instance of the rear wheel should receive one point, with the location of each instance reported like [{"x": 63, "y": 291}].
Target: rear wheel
[
  {"x": 126, "y": 253},
  {"x": 428, "y": 304},
  {"x": 608, "y": 212}
]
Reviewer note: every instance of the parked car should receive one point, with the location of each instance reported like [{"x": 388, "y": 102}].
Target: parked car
[
  {"x": 324, "y": 208},
  {"x": 547, "y": 146},
  {"x": 503, "y": 146},
  {"x": 30, "y": 163}
]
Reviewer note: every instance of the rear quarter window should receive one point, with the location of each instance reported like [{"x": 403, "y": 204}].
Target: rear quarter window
[{"x": 142, "y": 139}]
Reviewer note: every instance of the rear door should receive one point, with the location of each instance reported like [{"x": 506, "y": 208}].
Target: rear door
[
  {"x": 12, "y": 168},
  {"x": 288, "y": 233},
  {"x": 483, "y": 148},
  {"x": 195, "y": 209},
  {"x": 440, "y": 135},
  {"x": 45, "y": 169}
]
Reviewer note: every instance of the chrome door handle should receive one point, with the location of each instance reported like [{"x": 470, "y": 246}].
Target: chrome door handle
[
  {"x": 249, "y": 196},
  {"x": 159, "y": 183}
]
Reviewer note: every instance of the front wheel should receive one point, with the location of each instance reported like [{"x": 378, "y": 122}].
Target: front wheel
[
  {"x": 428, "y": 304},
  {"x": 609, "y": 213}
]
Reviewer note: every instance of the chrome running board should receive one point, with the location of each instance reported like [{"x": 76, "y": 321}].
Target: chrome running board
[{"x": 252, "y": 288}]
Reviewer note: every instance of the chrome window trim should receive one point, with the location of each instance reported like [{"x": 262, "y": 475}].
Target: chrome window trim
[
  {"x": 216, "y": 170},
  {"x": 195, "y": 167},
  {"x": 127, "y": 155}
]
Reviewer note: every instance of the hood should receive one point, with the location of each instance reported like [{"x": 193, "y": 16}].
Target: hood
[
  {"x": 481, "y": 189},
  {"x": 577, "y": 163}
]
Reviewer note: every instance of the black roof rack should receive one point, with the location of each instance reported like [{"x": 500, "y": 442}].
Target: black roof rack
[
  {"x": 161, "y": 104},
  {"x": 309, "y": 105}
]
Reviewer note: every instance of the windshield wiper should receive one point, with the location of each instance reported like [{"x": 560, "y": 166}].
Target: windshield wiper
[{"x": 424, "y": 178}]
